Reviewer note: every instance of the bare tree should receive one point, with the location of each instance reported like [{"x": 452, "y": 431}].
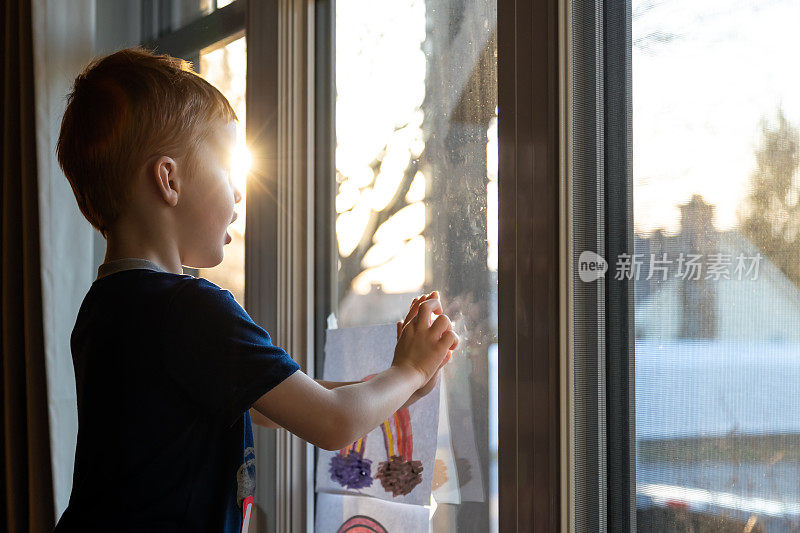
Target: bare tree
[
  {"x": 351, "y": 265},
  {"x": 770, "y": 214}
]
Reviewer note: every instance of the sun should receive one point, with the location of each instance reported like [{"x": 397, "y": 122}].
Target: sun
[{"x": 240, "y": 165}]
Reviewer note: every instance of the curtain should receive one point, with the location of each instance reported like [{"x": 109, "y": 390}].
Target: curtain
[
  {"x": 27, "y": 485},
  {"x": 63, "y": 43}
]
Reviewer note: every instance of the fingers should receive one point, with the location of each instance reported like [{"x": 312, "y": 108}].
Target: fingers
[
  {"x": 440, "y": 325},
  {"x": 446, "y": 358},
  {"x": 454, "y": 346},
  {"x": 412, "y": 311},
  {"x": 426, "y": 308},
  {"x": 449, "y": 340}
]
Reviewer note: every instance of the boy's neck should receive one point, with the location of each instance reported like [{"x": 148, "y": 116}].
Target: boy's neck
[{"x": 167, "y": 259}]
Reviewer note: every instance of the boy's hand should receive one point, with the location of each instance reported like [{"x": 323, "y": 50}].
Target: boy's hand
[
  {"x": 424, "y": 345},
  {"x": 332, "y": 419},
  {"x": 428, "y": 387},
  {"x": 412, "y": 312}
]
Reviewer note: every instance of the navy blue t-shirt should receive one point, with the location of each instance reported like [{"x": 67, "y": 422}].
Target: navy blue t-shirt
[{"x": 166, "y": 369}]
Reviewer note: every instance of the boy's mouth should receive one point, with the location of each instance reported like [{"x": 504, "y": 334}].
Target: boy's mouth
[{"x": 228, "y": 237}]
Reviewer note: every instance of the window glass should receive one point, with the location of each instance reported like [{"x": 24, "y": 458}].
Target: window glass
[
  {"x": 187, "y": 11},
  {"x": 225, "y": 67},
  {"x": 172, "y": 15},
  {"x": 416, "y": 209},
  {"x": 716, "y": 112}
]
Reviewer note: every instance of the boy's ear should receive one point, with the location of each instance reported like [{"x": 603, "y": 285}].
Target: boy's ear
[{"x": 167, "y": 181}]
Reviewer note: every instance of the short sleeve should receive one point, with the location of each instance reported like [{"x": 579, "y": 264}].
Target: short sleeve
[{"x": 217, "y": 354}]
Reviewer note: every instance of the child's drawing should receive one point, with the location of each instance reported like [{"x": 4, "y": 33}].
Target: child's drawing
[
  {"x": 343, "y": 513},
  {"x": 400, "y": 452},
  {"x": 349, "y": 469},
  {"x": 400, "y": 474},
  {"x": 446, "y": 482},
  {"x": 361, "y": 524}
]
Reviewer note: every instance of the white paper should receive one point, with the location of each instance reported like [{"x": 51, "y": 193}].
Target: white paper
[
  {"x": 352, "y": 354},
  {"x": 462, "y": 430},
  {"x": 339, "y": 513},
  {"x": 445, "y": 473}
]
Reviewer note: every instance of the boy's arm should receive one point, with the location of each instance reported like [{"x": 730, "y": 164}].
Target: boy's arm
[
  {"x": 261, "y": 420},
  {"x": 257, "y": 418},
  {"x": 333, "y": 418}
]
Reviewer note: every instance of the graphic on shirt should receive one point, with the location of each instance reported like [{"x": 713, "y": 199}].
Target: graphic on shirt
[
  {"x": 361, "y": 524},
  {"x": 247, "y": 506},
  {"x": 246, "y": 476}
]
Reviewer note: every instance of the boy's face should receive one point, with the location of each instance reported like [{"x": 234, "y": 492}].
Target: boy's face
[{"x": 209, "y": 199}]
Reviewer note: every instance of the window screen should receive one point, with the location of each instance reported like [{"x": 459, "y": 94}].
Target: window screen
[{"x": 716, "y": 268}]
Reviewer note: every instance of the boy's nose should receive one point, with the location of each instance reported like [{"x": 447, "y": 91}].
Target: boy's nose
[{"x": 237, "y": 195}]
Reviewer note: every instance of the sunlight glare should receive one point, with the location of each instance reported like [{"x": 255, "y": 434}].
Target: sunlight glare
[
  {"x": 404, "y": 224},
  {"x": 240, "y": 166},
  {"x": 404, "y": 273}
]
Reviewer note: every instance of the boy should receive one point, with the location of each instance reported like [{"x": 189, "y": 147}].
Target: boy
[{"x": 169, "y": 366}]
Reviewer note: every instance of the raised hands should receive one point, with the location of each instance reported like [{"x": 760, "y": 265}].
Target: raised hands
[
  {"x": 417, "y": 326},
  {"x": 332, "y": 418}
]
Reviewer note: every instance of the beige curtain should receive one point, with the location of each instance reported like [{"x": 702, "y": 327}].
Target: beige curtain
[
  {"x": 63, "y": 43},
  {"x": 27, "y": 485}
]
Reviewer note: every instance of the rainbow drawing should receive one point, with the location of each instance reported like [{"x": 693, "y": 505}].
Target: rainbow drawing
[{"x": 400, "y": 474}]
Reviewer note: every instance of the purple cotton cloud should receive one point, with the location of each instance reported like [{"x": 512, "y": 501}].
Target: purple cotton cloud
[{"x": 352, "y": 471}]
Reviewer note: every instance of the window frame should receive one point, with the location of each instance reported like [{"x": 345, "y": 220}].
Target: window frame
[
  {"x": 531, "y": 292},
  {"x": 598, "y": 131},
  {"x": 279, "y": 252},
  {"x": 530, "y": 62},
  {"x": 532, "y": 480},
  {"x": 187, "y": 41}
]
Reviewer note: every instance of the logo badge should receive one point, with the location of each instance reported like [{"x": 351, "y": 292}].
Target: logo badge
[{"x": 591, "y": 266}]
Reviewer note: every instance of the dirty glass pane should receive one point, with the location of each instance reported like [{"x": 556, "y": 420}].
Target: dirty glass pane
[
  {"x": 416, "y": 209},
  {"x": 716, "y": 112},
  {"x": 225, "y": 67}
]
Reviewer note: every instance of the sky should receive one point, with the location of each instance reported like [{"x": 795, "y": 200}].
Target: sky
[{"x": 699, "y": 91}]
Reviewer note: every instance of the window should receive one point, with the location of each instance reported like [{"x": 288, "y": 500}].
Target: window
[
  {"x": 225, "y": 66},
  {"x": 161, "y": 17},
  {"x": 415, "y": 209},
  {"x": 716, "y": 154},
  {"x": 213, "y": 40}
]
